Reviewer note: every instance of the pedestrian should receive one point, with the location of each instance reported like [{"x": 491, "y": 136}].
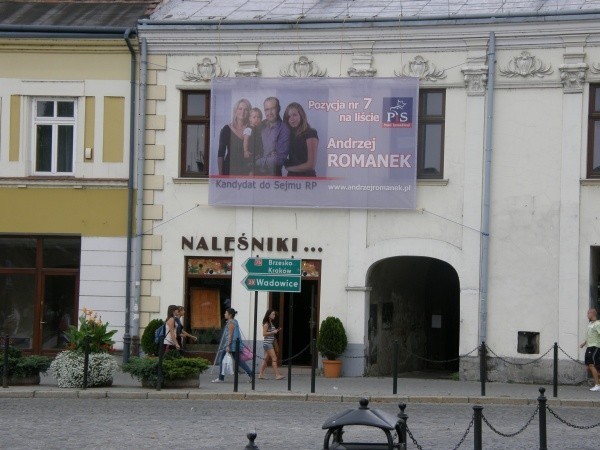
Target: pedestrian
[
  {"x": 269, "y": 333},
  {"x": 229, "y": 344},
  {"x": 181, "y": 333},
  {"x": 592, "y": 353},
  {"x": 170, "y": 340}
]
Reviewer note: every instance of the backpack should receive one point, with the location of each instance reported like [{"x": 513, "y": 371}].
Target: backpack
[{"x": 159, "y": 334}]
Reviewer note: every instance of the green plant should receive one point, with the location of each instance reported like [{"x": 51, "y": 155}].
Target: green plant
[
  {"x": 67, "y": 368},
  {"x": 147, "y": 343},
  {"x": 332, "y": 340},
  {"x": 90, "y": 328},
  {"x": 20, "y": 366},
  {"x": 175, "y": 367}
]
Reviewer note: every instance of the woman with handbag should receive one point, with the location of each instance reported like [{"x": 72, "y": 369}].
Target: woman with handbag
[
  {"x": 269, "y": 345},
  {"x": 229, "y": 345}
]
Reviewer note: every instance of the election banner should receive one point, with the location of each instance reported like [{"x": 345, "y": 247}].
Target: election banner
[{"x": 315, "y": 143}]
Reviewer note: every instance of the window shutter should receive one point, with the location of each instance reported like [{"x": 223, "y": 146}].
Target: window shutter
[
  {"x": 114, "y": 129},
  {"x": 15, "y": 128}
]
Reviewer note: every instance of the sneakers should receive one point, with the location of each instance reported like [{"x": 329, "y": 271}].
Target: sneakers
[
  {"x": 595, "y": 388},
  {"x": 216, "y": 380}
]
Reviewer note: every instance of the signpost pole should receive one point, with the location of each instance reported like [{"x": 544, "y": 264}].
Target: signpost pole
[
  {"x": 254, "y": 342},
  {"x": 289, "y": 335}
]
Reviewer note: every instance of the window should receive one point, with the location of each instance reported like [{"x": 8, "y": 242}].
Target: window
[
  {"x": 593, "y": 157},
  {"x": 54, "y": 136},
  {"x": 430, "y": 145},
  {"x": 195, "y": 125}
]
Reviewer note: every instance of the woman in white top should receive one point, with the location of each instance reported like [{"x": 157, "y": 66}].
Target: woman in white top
[{"x": 170, "y": 341}]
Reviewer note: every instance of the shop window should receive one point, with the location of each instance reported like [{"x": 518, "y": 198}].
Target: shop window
[
  {"x": 593, "y": 155},
  {"x": 195, "y": 127},
  {"x": 430, "y": 145},
  {"x": 54, "y": 136},
  {"x": 528, "y": 342}
]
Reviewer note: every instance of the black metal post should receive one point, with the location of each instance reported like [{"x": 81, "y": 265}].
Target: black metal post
[
  {"x": 482, "y": 367},
  {"x": 159, "y": 373},
  {"x": 254, "y": 343},
  {"x": 555, "y": 374},
  {"x": 86, "y": 360},
  {"x": 403, "y": 418},
  {"x": 5, "y": 366},
  {"x": 237, "y": 365},
  {"x": 289, "y": 337},
  {"x": 251, "y": 445},
  {"x": 477, "y": 416},
  {"x": 313, "y": 365},
  {"x": 542, "y": 416},
  {"x": 395, "y": 368}
]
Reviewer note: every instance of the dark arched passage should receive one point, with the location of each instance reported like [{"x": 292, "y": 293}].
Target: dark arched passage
[{"x": 415, "y": 300}]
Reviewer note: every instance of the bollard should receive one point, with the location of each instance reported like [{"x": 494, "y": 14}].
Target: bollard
[
  {"x": 313, "y": 364},
  {"x": 482, "y": 367},
  {"x": 542, "y": 415},
  {"x": 86, "y": 360},
  {"x": 5, "y": 366},
  {"x": 477, "y": 416},
  {"x": 159, "y": 371},
  {"x": 403, "y": 418},
  {"x": 236, "y": 365},
  {"x": 555, "y": 374},
  {"x": 251, "y": 445},
  {"x": 395, "y": 368}
]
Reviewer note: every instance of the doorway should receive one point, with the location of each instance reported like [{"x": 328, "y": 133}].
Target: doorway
[
  {"x": 416, "y": 302},
  {"x": 57, "y": 311},
  {"x": 298, "y": 316}
]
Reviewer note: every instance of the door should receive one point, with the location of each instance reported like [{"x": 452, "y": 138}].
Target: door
[
  {"x": 58, "y": 310},
  {"x": 297, "y": 317}
]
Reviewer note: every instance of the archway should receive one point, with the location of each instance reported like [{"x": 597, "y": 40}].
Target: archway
[{"x": 415, "y": 300}]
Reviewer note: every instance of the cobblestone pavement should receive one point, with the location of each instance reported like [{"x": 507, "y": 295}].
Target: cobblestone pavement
[{"x": 38, "y": 423}]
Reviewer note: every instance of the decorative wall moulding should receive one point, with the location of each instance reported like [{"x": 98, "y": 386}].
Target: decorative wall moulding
[
  {"x": 248, "y": 63},
  {"x": 362, "y": 61},
  {"x": 205, "y": 70},
  {"x": 475, "y": 79},
  {"x": 572, "y": 77},
  {"x": 303, "y": 68},
  {"x": 526, "y": 65},
  {"x": 422, "y": 69},
  {"x": 595, "y": 68}
]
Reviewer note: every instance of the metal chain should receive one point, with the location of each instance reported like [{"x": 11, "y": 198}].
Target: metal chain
[
  {"x": 466, "y": 433},
  {"x": 570, "y": 357},
  {"x": 514, "y": 363},
  {"x": 291, "y": 357},
  {"x": 516, "y": 432},
  {"x": 412, "y": 438},
  {"x": 579, "y": 427},
  {"x": 444, "y": 360}
]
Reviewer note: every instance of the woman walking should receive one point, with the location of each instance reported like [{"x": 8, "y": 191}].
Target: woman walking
[
  {"x": 170, "y": 341},
  {"x": 229, "y": 344},
  {"x": 269, "y": 333}
]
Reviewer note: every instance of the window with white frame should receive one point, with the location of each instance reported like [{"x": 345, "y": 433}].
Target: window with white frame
[{"x": 54, "y": 135}]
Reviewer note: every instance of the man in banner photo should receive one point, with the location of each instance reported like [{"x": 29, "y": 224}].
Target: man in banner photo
[{"x": 341, "y": 143}]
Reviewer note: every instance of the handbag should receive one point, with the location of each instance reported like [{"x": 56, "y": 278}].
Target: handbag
[
  {"x": 246, "y": 354},
  {"x": 227, "y": 365}
]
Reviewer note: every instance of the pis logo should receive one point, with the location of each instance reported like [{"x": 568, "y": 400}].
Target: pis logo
[{"x": 397, "y": 112}]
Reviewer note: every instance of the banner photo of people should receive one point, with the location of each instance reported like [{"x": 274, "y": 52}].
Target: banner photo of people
[{"x": 314, "y": 143}]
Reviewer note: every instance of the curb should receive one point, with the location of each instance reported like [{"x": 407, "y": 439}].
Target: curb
[{"x": 177, "y": 394}]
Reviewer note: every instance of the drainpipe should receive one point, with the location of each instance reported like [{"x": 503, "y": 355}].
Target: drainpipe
[
  {"x": 135, "y": 323},
  {"x": 485, "y": 213},
  {"x": 130, "y": 217}
]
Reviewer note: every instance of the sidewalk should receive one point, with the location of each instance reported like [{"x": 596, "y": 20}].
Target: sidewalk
[{"x": 346, "y": 389}]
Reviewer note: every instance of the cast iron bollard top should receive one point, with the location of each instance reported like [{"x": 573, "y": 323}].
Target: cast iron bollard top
[{"x": 362, "y": 416}]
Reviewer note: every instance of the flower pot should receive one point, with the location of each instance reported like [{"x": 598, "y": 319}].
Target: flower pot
[{"x": 332, "y": 368}]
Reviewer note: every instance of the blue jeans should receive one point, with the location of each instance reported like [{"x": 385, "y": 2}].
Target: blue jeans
[{"x": 242, "y": 364}]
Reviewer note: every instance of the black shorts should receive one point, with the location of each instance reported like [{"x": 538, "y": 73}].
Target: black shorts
[{"x": 592, "y": 356}]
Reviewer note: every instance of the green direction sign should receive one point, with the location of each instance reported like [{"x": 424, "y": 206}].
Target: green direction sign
[
  {"x": 272, "y": 283},
  {"x": 273, "y": 266}
]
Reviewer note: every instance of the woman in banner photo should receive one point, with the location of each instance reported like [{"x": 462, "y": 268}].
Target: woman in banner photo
[
  {"x": 303, "y": 143},
  {"x": 229, "y": 344},
  {"x": 231, "y": 142}
]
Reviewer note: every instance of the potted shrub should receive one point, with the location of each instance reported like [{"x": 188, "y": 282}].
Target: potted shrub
[
  {"x": 24, "y": 370},
  {"x": 177, "y": 370},
  {"x": 149, "y": 347},
  {"x": 67, "y": 367},
  {"x": 331, "y": 343}
]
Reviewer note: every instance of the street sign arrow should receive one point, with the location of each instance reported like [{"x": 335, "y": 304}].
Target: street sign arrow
[
  {"x": 273, "y": 266},
  {"x": 272, "y": 283}
]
